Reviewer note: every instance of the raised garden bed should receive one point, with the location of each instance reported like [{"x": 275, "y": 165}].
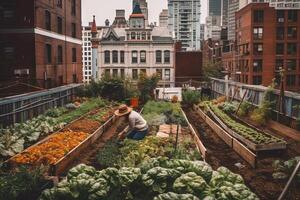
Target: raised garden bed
[
  {"x": 254, "y": 139},
  {"x": 61, "y": 148}
]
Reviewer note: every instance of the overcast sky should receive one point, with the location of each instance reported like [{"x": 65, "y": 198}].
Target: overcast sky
[{"x": 106, "y": 9}]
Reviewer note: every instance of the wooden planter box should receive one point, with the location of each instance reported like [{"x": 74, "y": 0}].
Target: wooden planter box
[
  {"x": 251, "y": 145},
  {"x": 238, "y": 147},
  {"x": 60, "y": 166}
]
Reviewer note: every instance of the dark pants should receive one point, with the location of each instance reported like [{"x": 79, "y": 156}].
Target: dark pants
[{"x": 137, "y": 135}]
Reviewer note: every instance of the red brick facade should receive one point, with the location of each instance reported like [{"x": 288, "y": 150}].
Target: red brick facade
[
  {"x": 267, "y": 40},
  {"x": 33, "y": 26},
  {"x": 188, "y": 66}
]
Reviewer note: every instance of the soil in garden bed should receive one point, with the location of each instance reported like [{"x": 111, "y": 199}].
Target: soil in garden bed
[{"x": 259, "y": 180}]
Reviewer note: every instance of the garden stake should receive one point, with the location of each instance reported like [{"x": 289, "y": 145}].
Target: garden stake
[{"x": 176, "y": 142}]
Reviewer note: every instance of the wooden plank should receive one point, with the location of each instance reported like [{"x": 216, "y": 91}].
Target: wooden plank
[
  {"x": 59, "y": 167},
  {"x": 284, "y": 130},
  {"x": 199, "y": 143},
  {"x": 219, "y": 131},
  {"x": 244, "y": 152}
]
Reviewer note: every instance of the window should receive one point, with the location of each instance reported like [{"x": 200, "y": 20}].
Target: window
[
  {"x": 115, "y": 57},
  {"x": 134, "y": 74},
  {"x": 143, "y": 36},
  {"x": 48, "y": 56},
  {"x": 59, "y": 25},
  {"x": 257, "y": 80},
  {"x": 159, "y": 73},
  {"x": 280, "y": 16},
  {"x": 73, "y": 7},
  {"x": 59, "y": 3},
  {"x": 59, "y": 54},
  {"x": 167, "y": 56},
  {"x": 74, "y": 56},
  {"x": 258, "y": 49},
  {"x": 291, "y": 65},
  {"x": 122, "y": 73},
  {"x": 74, "y": 78},
  {"x": 48, "y": 20},
  {"x": 143, "y": 57},
  {"x": 167, "y": 75},
  {"x": 279, "y": 64},
  {"x": 257, "y": 65},
  {"x": 73, "y": 30},
  {"x": 258, "y": 33},
  {"x": 291, "y": 80},
  {"x": 280, "y": 33},
  {"x": 292, "y": 15},
  {"x": 292, "y": 48},
  {"x": 107, "y": 57},
  {"x": 134, "y": 58},
  {"x": 115, "y": 73},
  {"x": 258, "y": 16},
  {"x": 279, "y": 48},
  {"x": 133, "y": 35},
  {"x": 292, "y": 32},
  {"x": 122, "y": 57},
  {"x": 158, "y": 56},
  {"x": 7, "y": 14},
  {"x": 138, "y": 36}
]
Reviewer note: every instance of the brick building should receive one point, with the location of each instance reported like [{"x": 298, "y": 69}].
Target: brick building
[
  {"x": 40, "y": 41},
  {"x": 268, "y": 39}
]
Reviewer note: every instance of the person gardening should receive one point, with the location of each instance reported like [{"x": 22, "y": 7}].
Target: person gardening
[{"x": 138, "y": 127}]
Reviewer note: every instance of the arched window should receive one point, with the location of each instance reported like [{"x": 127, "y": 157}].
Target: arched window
[
  {"x": 143, "y": 57},
  {"x": 115, "y": 57},
  {"x": 167, "y": 56},
  {"x": 106, "y": 56}
]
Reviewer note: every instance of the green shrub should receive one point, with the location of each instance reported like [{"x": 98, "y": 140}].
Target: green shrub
[
  {"x": 245, "y": 109},
  {"x": 190, "y": 97},
  {"x": 229, "y": 108}
]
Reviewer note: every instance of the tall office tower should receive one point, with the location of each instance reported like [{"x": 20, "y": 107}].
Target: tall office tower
[
  {"x": 243, "y": 3},
  {"x": 144, "y": 8},
  {"x": 184, "y": 22},
  {"x": 233, "y": 7},
  {"x": 224, "y": 13},
  {"x": 214, "y": 7},
  {"x": 163, "y": 18}
]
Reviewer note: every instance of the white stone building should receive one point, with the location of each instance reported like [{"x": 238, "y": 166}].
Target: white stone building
[{"x": 128, "y": 52}]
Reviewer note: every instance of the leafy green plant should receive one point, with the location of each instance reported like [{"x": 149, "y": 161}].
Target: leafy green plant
[
  {"x": 263, "y": 113},
  {"x": 245, "y": 109},
  {"x": 22, "y": 184},
  {"x": 109, "y": 155},
  {"x": 190, "y": 97},
  {"x": 243, "y": 130},
  {"x": 158, "y": 179},
  {"x": 228, "y": 108},
  {"x": 283, "y": 169}
]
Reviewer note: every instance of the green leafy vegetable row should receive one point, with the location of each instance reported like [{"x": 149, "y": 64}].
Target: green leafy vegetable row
[
  {"x": 243, "y": 130},
  {"x": 158, "y": 179}
]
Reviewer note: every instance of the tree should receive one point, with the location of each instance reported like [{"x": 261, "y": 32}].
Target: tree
[
  {"x": 146, "y": 86},
  {"x": 212, "y": 69}
]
